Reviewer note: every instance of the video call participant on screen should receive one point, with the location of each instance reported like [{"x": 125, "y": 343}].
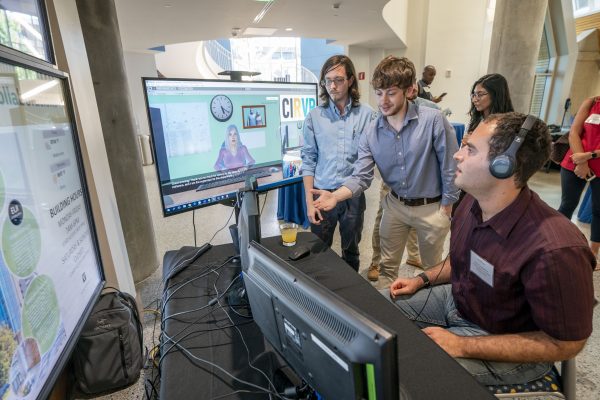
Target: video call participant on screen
[
  {"x": 412, "y": 147},
  {"x": 233, "y": 153},
  {"x": 251, "y": 118},
  {"x": 520, "y": 293},
  {"x": 331, "y": 135}
]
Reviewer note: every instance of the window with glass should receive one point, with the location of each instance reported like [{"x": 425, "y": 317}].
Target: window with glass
[
  {"x": 585, "y": 7},
  {"x": 543, "y": 77},
  {"x": 22, "y": 28}
]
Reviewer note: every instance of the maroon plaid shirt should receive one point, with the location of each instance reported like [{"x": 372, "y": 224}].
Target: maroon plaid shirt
[{"x": 542, "y": 277}]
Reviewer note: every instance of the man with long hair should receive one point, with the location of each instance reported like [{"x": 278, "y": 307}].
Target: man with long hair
[
  {"x": 412, "y": 147},
  {"x": 331, "y": 136}
]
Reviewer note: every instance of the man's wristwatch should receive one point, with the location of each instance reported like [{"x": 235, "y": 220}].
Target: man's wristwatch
[
  {"x": 594, "y": 154},
  {"x": 425, "y": 278}
]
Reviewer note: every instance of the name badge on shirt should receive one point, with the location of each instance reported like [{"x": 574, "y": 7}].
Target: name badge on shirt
[
  {"x": 483, "y": 269},
  {"x": 593, "y": 119}
]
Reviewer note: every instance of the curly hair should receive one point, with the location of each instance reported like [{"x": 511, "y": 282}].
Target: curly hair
[
  {"x": 534, "y": 151},
  {"x": 394, "y": 71},
  {"x": 332, "y": 63}
]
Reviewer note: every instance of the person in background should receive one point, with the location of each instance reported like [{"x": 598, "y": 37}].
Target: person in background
[
  {"x": 331, "y": 135},
  {"x": 489, "y": 95},
  {"x": 424, "y": 85},
  {"x": 412, "y": 147},
  {"x": 516, "y": 294},
  {"x": 251, "y": 118},
  {"x": 581, "y": 165},
  {"x": 233, "y": 154}
]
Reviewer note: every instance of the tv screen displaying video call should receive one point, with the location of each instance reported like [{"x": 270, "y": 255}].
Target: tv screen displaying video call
[{"x": 210, "y": 135}]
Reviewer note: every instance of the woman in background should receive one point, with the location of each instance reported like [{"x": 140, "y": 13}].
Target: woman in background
[
  {"x": 582, "y": 164},
  {"x": 233, "y": 153},
  {"x": 489, "y": 95}
]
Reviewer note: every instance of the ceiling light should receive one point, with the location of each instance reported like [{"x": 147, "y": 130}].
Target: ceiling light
[
  {"x": 39, "y": 89},
  {"x": 259, "y": 31},
  {"x": 263, "y": 12},
  {"x": 289, "y": 29}
]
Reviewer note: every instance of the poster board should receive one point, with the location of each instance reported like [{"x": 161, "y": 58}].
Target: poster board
[{"x": 50, "y": 270}]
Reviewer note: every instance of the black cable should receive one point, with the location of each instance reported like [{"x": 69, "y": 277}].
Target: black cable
[
  {"x": 271, "y": 385},
  {"x": 226, "y": 223},
  {"x": 416, "y": 318},
  {"x": 151, "y": 380},
  {"x": 436, "y": 277},
  {"x": 204, "y": 306},
  {"x": 188, "y": 281},
  {"x": 233, "y": 393},
  {"x": 264, "y": 204},
  {"x": 246, "y": 306},
  {"x": 194, "y": 225},
  {"x": 184, "y": 263},
  {"x": 194, "y": 358},
  {"x": 198, "y": 319},
  {"x": 203, "y": 331}
]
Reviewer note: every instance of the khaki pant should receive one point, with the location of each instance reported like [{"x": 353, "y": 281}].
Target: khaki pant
[
  {"x": 431, "y": 224},
  {"x": 411, "y": 244}
]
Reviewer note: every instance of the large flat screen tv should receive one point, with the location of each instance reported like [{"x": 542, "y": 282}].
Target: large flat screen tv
[
  {"x": 209, "y": 135},
  {"x": 339, "y": 351},
  {"x": 50, "y": 270}
]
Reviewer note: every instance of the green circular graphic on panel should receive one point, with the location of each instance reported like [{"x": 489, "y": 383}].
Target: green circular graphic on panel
[
  {"x": 2, "y": 191},
  {"x": 21, "y": 244},
  {"x": 41, "y": 314}
]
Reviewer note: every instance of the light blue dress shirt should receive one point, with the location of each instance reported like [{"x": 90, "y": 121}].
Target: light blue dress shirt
[
  {"x": 331, "y": 143},
  {"x": 415, "y": 162}
]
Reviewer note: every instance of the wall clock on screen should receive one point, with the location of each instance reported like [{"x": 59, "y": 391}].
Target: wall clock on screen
[{"x": 221, "y": 107}]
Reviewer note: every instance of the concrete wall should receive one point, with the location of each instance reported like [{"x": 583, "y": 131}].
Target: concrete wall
[
  {"x": 396, "y": 16},
  {"x": 179, "y": 61},
  {"x": 587, "y": 81},
  {"x": 456, "y": 47},
  {"x": 139, "y": 65},
  {"x": 365, "y": 60},
  {"x": 561, "y": 15},
  {"x": 72, "y": 58},
  {"x": 430, "y": 39}
]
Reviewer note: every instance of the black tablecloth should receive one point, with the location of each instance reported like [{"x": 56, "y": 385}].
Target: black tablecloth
[{"x": 425, "y": 370}]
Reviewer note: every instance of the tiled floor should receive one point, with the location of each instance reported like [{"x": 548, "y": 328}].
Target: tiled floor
[{"x": 177, "y": 231}]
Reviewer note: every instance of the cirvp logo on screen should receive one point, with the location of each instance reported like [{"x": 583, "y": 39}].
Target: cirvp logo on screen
[{"x": 296, "y": 108}]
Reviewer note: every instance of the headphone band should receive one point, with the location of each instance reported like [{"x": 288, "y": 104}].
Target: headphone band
[{"x": 503, "y": 165}]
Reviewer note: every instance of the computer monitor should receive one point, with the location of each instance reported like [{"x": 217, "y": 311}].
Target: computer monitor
[
  {"x": 209, "y": 135},
  {"x": 337, "y": 350}
]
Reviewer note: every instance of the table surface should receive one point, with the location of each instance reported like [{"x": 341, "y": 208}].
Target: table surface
[{"x": 207, "y": 336}]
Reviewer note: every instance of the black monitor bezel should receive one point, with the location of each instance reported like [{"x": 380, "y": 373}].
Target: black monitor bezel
[
  {"x": 386, "y": 361},
  {"x": 226, "y": 198}
]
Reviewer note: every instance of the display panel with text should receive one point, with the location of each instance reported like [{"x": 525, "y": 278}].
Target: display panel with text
[{"x": 50, "y": 272}]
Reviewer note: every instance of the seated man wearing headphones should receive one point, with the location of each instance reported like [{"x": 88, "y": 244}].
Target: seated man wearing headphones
[{"x": 516, "y": 293}]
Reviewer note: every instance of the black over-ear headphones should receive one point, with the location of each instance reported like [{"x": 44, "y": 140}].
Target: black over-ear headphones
[{"x": 503, "y": 165}]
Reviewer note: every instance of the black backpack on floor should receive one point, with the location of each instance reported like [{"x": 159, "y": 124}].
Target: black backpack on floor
[{"x": 109, "y": 354}]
